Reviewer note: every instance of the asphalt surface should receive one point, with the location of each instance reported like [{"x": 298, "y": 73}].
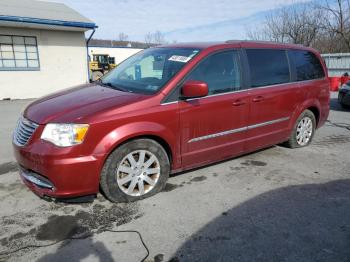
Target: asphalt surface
[{"x": 277, "y": 204}]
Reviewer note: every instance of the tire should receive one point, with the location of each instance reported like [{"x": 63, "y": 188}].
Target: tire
[
  {"x": 119, "y": 173},
  {"x": 295, "y": 141},
  {"x": 344, "y": 106}
]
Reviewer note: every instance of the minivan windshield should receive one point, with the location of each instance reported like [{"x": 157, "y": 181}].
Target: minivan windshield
[{"x": 148, "y": 71}]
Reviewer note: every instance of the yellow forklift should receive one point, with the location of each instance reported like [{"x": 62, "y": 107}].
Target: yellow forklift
[{"x": 100, "y": 65}]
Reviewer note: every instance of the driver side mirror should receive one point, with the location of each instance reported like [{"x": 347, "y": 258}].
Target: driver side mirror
[{"x": 194, "y": 89}]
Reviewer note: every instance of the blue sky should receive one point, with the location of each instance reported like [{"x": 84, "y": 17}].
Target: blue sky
[{"x": 180, "y": 20}]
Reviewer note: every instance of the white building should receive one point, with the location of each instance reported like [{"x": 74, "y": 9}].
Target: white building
[{"x": 42, "y": 48}]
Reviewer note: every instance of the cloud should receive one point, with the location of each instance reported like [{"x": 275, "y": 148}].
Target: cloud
[{"x": 173, "y": 17}]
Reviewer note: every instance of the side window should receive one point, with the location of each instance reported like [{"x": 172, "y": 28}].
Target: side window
[
  {"x": 307, "y": 65},
  {"x": 220, "y": 71},
  {"x": 268, "y": 67}
]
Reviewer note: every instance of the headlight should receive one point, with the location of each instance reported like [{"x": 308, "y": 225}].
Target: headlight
[{"x": 64, "y": 135}]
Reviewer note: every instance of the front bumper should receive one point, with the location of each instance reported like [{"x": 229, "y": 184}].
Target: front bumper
[{"x": 50, "y": 171}]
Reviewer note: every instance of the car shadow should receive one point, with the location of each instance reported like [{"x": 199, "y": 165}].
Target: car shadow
[{"x": 296, "y": 223}]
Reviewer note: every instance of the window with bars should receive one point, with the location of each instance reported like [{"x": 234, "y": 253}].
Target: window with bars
[{"x": 18, "y": 53}]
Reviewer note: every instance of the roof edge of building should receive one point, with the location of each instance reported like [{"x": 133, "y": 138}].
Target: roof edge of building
[{"x": 32, "y": 20}]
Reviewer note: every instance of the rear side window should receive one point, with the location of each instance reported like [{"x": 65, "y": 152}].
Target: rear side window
[
  {"x": 220, "y": 71},
  {"x": 307, "y": 65},
  {"x": 268, "y": 67}
]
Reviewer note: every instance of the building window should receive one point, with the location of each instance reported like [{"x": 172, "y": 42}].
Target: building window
[{"x": 18, "y": 53}]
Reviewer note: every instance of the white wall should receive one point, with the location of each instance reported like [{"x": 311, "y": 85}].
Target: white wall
[
  {"x": 63, "y": 64},
  {"x": 119, "y": 53}
]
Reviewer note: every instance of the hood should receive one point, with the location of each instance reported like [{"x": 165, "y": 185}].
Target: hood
[{"x": 72, "y": 105}]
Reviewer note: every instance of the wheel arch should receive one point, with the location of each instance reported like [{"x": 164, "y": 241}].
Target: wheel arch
[
  {"x": 316, "y": 113},
  {"x": 139, "y": 130},
  {"x": 313, "y": 105},
  {"x": 156, "y": 138}
]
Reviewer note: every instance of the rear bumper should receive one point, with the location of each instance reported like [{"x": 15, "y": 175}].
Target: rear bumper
[{"x": 55, "y": 175}]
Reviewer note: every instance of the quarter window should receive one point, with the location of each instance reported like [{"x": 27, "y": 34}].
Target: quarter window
[
  {"x": 268, "y": 67},
  {"x": 18, "y": 53},
  {"x": 220, "y": 71},
  {"x": 307, "y": 65}
]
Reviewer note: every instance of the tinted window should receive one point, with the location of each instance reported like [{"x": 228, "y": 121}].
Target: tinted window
[
  {"x": 268, "y": 67},
  {"x": 220, "y": 71},
  {"x": 307, "y": 65}
]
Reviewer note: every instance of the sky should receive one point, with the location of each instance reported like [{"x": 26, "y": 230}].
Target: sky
[{"x": 178, "y": 20}]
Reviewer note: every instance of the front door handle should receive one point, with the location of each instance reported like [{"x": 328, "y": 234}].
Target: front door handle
[
  {"x": 258, "y": 99},
  {"x": 238, "y": 102}
]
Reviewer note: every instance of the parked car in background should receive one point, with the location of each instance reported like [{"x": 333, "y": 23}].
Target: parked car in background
[
  {"x": 344, "y": 95},
  {"x": 169, "y": 109}
]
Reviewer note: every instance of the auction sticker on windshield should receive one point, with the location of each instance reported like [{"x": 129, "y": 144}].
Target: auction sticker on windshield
[{"x": 180, "y": 58}]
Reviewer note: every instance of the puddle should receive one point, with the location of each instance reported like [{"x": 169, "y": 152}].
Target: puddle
[
  {"x": 198, "y": 179},
  {"x": 253, "y": 163},
  {"x": 170, "y": 187},
  {"x": 8, "y": 167},
  {"x": 60, "y": 225}
]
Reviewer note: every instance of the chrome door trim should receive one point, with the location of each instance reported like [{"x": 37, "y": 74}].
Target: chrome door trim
[
  {"x": 232, "y": 131},
  {"x": 268, "y": 123},
  {"x": 237, "y": 130}
]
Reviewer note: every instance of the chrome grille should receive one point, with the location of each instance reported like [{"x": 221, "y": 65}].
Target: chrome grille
[{"x": 23, "y": 132}]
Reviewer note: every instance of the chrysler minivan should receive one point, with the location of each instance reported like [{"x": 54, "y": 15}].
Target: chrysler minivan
[{"x": 168, "y": 109}]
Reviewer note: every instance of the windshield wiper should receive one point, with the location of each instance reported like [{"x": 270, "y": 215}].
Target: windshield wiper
[{"x": 99, "y": 81}]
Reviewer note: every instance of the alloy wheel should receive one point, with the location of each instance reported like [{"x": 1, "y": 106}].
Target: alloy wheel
[
  {"x": 304, "y": 131},
  {"x": 138, "y": 173}
]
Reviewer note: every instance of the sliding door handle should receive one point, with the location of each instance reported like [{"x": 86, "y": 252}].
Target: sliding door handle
[
  {"x": 258, "y": 99},
  {"x": 238, "y": 102}
]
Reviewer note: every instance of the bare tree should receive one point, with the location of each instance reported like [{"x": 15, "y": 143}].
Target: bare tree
[
  {"x": 298, "y": 24},
  {"x": 122, "y": 37},
  {"x": 337, "y": 20},
  {"x": 158, "y": 38},
  {"x": 148, "y": 38}
]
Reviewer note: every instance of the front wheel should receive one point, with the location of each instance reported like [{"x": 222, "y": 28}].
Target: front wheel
[
  {"x": 135, "y": 170},
  {"x": 303, "y": 131}
]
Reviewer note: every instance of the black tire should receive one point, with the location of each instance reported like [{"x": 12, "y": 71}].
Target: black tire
[
  {"x": 344, "y": 106},
  {"x": 108, "y": 181},
  {"x": 292, "y": 142}
]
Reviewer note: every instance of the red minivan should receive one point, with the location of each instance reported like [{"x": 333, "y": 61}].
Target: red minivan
[{"x": 168, "y": 109}]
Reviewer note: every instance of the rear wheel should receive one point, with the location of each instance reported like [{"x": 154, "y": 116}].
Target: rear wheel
[
  {"x": 345, "y": 106},
  {"x": 303, "y": 131},
  {"x": 135, "y": 170}
]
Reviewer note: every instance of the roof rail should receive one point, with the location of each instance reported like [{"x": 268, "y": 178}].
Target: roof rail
[{"x": 259, "y": 41}]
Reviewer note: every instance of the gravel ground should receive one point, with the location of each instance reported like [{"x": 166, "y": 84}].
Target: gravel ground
[{"x": 276, "y": 204}]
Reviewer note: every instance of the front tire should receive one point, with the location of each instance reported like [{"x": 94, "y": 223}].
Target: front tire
[
  {"x": 303, "y": 131},
  {"x": 136, "y": 170}
]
